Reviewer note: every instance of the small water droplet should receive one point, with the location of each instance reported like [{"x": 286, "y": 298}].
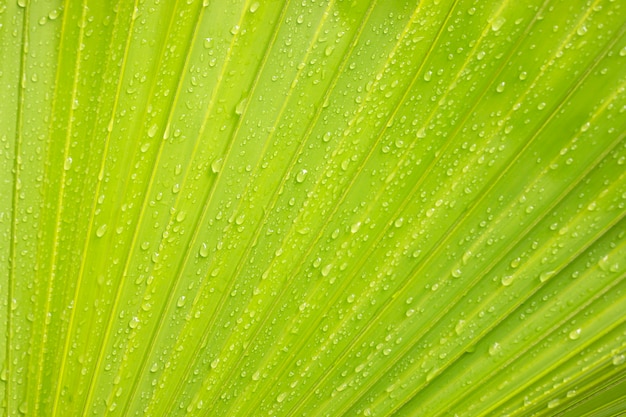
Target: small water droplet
[
  {"x": 204, "y": 250},
  {"x": 497, "y": 23},
  {"x": 575, "y": 334},
  {"x": 101, "y": 230},
  {"x": 544, "y": 276},
  {"x": 554, "y": 403},
  {"x": 181, "y": 301},
  {"x": 507, "y": 280},
  {"x": 152, "y": 131},
  {"x": 216, "y": 165},
  {"x": 134, "y": 322},
  {"x": 254, "y": 7},
  {"x": 241, "y": 106},
  {"x": 494, "y": 349},
  {"x": 67, "y": 164},
  {"x": 301, "y": 176},
  {"x": 500, "y": 87}
]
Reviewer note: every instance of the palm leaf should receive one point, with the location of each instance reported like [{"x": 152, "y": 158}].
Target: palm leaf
[{"x": 313, "y": 208}]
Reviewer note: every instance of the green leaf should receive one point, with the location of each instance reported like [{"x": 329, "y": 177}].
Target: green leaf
[{"x": 320, "y": 208}]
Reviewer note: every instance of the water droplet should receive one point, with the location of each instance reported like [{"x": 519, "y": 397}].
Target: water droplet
[
  {"x": 428, "y": 75},
  {"x": 301, "y": 176},
  {"x": 507, "y": 280},
  {"x": 134, "y": 322},
  {"x": 234, "y": 30},
  {"x": 544, "y": 276},
  {"x": 181, "y": 216},
  {"x": 622, "y": 51},
  {"x": 355, "y": 227},
  {"x": 523, "y": 75},
  {"x": 53, "y": 14},
  {"x": 456, "y": 273},
  {"x": 581, "y": 30},
  {"x": 494, "y": 349},
  {"x": 241, "y": 106},
  {"x": 619, "y": 359},
  {"x": 254, "y": 7},
  {"x": 497, "y": 23},
  {"x": 181, "y": 301},
  {"x": 216, "y": 165},
  {"x": 458, "y": 329},
  {"x": 281, "y": 397},
  {"x": 145, "y": 147},
  {"x": 500, "y": 87},
  {"x": 575, "y": 334},
  {"x": 554, "y": 403},
  {"x": 204, "y": 250},
  {"x": 67, "y": 164},
  {"x": 152, "y": 131},
  {"x": 101, "y": 230}
]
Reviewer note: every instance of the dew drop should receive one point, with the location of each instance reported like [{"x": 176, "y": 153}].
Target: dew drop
[
  {"x": 152, "y": 131},
  {"x": 497, "y": 23},
  {"x": 101, "y": 230},
  {"x": 216, "y": 165},
  {"x": 554, "y": 403},
  {"x": 241, "y": 106},
  {"x": 254, "y": 7},
  {"x": 204, "y": 250},
  {"x": 67, "y": 164},
  {"x": 134, "y": 322},
  {"x": 507, "y": 280},
  {"x": 575, "y": 334},
  {"x": 301, "y": 176},
  {"x": 494, "y": 349},
  {"x": 500, "y": 87},
  {"x": 181, "y": 301}
]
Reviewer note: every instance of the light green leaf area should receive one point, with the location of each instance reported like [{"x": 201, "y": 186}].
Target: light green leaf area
[{"x": 313, "y": 208}]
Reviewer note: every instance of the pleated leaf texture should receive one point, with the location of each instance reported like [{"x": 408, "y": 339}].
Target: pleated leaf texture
[{"x": 313, "y": 208}]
